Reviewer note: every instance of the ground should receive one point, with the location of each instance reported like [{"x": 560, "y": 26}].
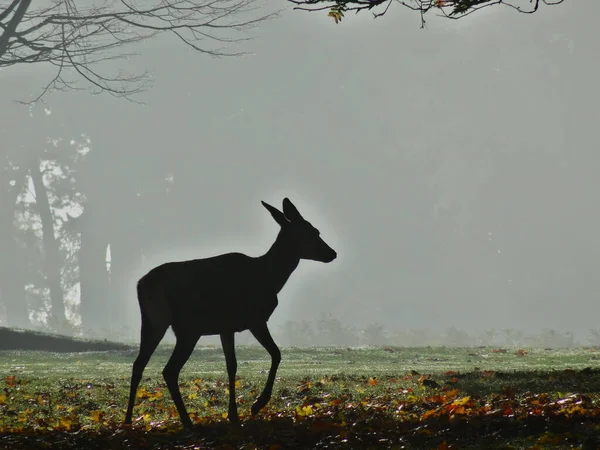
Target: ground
[{"x": 435, "y": 398}]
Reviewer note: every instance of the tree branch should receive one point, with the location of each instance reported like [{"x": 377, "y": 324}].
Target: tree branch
[
  {"x": 16, "y": 19},
  {"x": 74, "y": 39},
  {"x": 452, "y": 9}
]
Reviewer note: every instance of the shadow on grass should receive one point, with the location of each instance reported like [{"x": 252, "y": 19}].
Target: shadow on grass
[
  {"x": 374, "y": 431},
  {"x": 585, "y": 381},
  {"x": 16, "y": 339}
]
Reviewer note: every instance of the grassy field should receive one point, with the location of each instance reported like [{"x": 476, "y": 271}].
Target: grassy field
[{"x": 324, "y": 398}]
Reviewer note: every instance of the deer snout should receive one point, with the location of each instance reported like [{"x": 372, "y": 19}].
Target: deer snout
[
  {"x": 331, "y": 256},
  {"x": 319, "y": 251}
]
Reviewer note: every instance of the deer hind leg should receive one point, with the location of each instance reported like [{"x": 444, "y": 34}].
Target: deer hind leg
[
  {"x": 262, "y": 335},
  {"x": 183, "y": 349},
  {"x": 228, "y": 343},
  {"x": 150, "y": 338}
]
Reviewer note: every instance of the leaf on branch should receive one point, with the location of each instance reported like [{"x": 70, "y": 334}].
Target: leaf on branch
[
  {"x": 337, "y": 13},
  {"x": 454, "y": 9}
]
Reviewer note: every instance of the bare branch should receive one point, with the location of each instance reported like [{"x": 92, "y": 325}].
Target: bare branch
[
  {"x": 74, "y": 38},
  {"x": 452, "y": 9}
]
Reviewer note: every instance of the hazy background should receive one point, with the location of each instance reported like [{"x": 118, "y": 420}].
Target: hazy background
[{"x": 454, "y": 169}]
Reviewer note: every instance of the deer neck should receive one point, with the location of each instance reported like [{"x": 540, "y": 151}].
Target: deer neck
[{"x": 279, "y": 262}]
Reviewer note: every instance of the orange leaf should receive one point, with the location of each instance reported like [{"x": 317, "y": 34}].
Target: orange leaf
[
  {"x": 97, "y": 415},
  {"x": 458, "y": 410},
  {"x": 143, "y": 393},
  {"x": 66, "y": 422},
  {"x": 439, "y": 399},
  {"x": 304, "y": 411},
  {"x": 430, "y": 413},
  {"x": 452, "y": 393},
  {"x": 462, "y": 401},
  {"x": 372, "y": 381}
]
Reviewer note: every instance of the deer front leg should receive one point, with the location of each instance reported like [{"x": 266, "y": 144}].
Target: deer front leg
[
  {"x": 228, "y": 343},
  {"x": 183, "y": 349},
  {"x": 262, "y": 335}
]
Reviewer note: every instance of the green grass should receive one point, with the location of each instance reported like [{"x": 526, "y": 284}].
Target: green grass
[
  {"x": 371, "y": 396},
  {"x": 209, "y": 361}
]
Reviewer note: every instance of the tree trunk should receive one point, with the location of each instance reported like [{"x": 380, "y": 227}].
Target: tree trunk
[
  {"x": 52, "y": 260},
  {"x": 12, "y": 25}
]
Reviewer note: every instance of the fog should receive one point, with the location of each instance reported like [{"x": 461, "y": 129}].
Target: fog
[{"x": 454, "y": 169}]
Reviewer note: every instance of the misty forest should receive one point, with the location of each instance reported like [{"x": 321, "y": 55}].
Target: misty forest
[{"x": 242, "y": 224}]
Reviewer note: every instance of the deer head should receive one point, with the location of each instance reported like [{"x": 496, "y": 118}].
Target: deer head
[{"x": 299, "y": 234}]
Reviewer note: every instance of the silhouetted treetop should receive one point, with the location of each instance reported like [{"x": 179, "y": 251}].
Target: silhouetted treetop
[{"x": 452, "y": 9}]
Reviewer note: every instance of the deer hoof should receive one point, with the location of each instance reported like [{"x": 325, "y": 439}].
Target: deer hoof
[{"x": 256, "y": 408}]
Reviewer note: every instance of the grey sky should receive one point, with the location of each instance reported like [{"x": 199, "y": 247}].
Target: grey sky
[{"x": 454, "y": 169}]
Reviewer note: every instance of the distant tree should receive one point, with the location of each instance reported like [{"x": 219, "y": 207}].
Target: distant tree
[
  {"x": 375, "y": 334},
  {"x": 487, "y": 337},
  {"x": 458, "y": 338},
  {"x": 75, "y": 37},
  {"x": 594, "y": 338},
  {"x": 331, "y": 331},
  {"x": 43, "y": 170},
  {"x": 452, "y": 9}
]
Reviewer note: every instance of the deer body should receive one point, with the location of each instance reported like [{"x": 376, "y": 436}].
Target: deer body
[
  {"x": 194, "y": 295},
  {"x": 221, "y": 295}
]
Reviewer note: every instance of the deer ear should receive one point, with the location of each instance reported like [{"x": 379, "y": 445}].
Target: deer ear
[
  {"x": 290, "y": 211},
  {"x": 277, "y": 215}
]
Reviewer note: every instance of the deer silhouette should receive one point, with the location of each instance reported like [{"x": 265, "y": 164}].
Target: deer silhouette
[{"x": 222, "y": 295}]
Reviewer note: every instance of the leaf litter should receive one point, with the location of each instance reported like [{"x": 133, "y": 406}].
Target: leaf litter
[{"x": 537, "y": 409}]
